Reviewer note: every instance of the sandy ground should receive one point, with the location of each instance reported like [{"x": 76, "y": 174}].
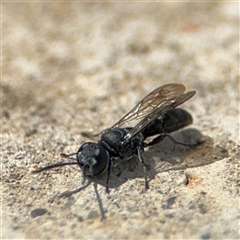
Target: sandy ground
[{"x": 74, "y": 67}]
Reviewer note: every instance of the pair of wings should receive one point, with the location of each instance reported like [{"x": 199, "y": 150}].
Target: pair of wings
[{"x": 153, "y": 106}]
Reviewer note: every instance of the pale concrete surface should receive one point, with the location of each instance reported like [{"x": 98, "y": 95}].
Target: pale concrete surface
[{"x": 69, "y": 67}]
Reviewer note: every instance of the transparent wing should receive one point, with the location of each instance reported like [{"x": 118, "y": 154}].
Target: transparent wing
[{"x": 153, "y": 106}]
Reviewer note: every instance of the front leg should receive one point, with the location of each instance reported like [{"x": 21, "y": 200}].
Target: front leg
[{"x": 140, "y": 157}]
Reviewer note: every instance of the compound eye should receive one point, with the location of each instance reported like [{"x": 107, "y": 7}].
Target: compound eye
[{"x": 94, "y": 157}]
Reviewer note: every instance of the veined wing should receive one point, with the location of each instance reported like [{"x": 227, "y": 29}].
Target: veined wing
[{"x": 153, "y": 106}]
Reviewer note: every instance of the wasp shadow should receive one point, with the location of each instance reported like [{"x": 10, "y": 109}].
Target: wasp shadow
[{"x": 170, "y": 156}]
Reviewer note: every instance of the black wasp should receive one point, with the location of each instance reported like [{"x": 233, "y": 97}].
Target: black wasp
[{"x": 156, "y": 114}]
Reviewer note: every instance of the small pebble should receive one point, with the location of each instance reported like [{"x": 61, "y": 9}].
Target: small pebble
[{"x": 38, "y": 212}]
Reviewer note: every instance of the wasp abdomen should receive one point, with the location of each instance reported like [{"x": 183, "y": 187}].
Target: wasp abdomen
[{"x": 173, "y": 120}]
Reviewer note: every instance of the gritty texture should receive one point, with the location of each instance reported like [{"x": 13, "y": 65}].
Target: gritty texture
[{"x": 72, "y": 67}]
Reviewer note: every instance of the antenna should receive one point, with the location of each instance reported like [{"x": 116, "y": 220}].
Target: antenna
[{"x": 59, "y": 164}]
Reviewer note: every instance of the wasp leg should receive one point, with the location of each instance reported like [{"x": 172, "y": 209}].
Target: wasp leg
[
  {"x": 159, "y": 138},
  {"x": 156, "y": 140},
  {"x": 140, "y": 156},
  {"x": 108, "y": 175}
]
